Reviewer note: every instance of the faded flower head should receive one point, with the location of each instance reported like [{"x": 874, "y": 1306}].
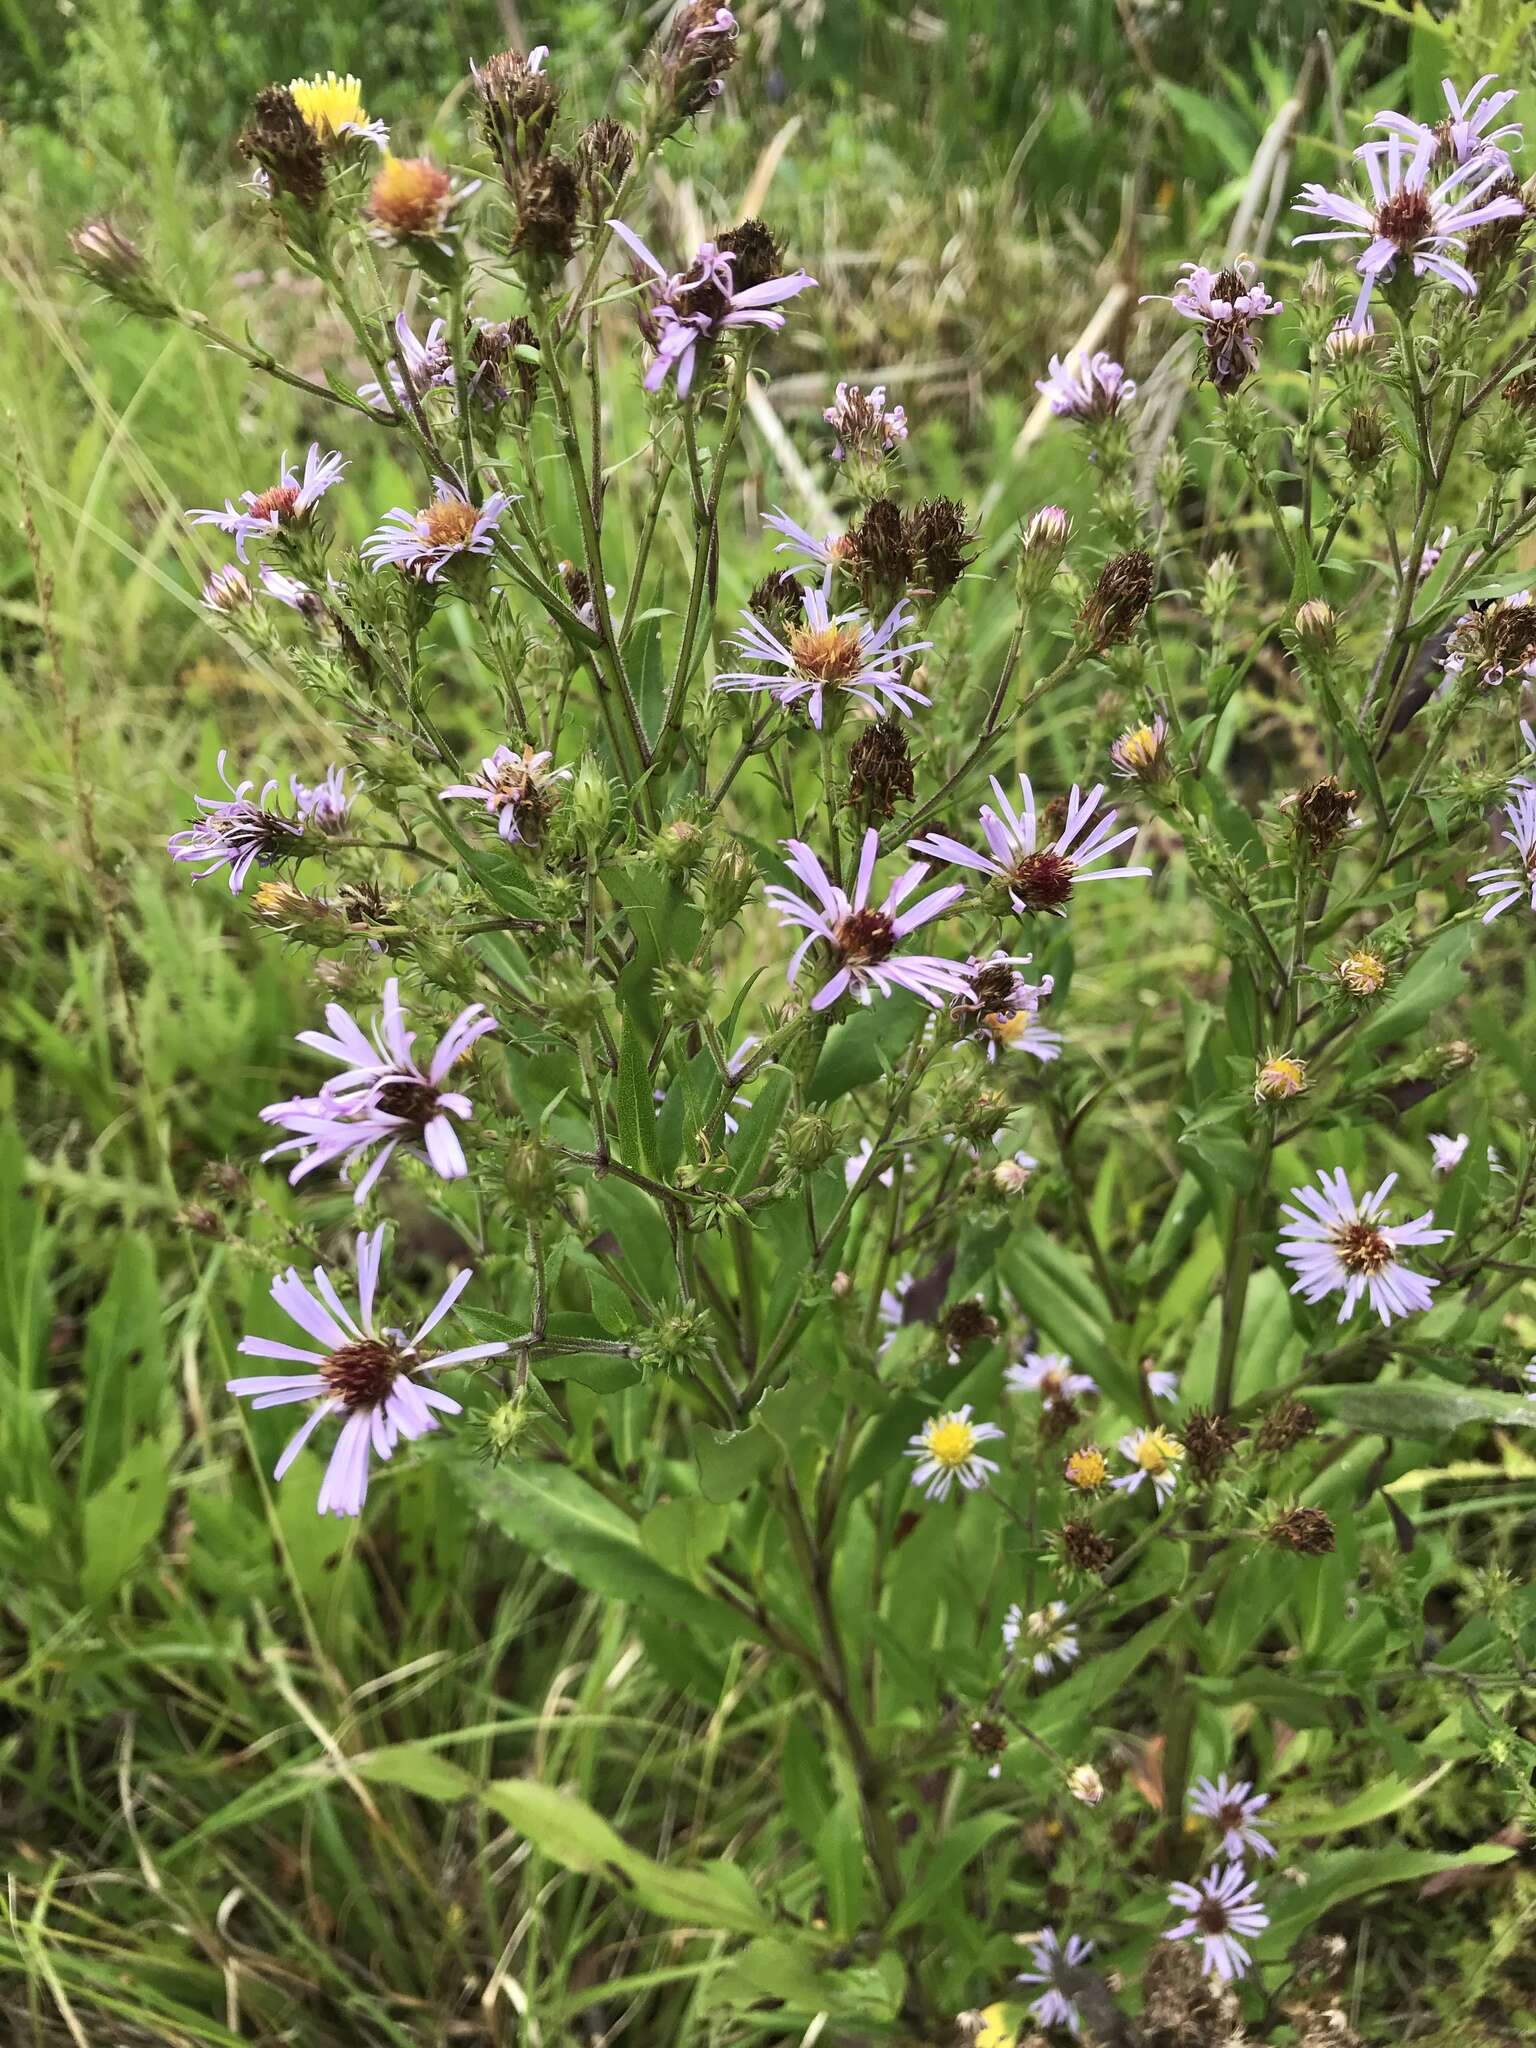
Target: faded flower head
[
  {"x": 1321, "y": 813},
  {"x": 1495, "y": 642},
  {"x": 239, "y": 832},
  {"x": 289, "y": 159},
  {"x": 1280, "y": 1078},
  {"x": 1118, "y": 601},
  {"x": 691, "y": 58},
  {"x": 880, "y": 772},
  {"x": 517, "y": 788},
  {"x": 1012, "y": 1176},
  {"x": 1085, "y": 1784},
  {"x": 1209, "y": 1440},
  {"x": 866, "y": 429},
  {"x": 413, "y": 200},
  {"x": 1141, "y": 754},
  {"x": 519, "y": 102},
  {"x": 1308, "y": 1532},
  {"x": 1226, "y": 303},
  {"x": 1361, "y": 973}
]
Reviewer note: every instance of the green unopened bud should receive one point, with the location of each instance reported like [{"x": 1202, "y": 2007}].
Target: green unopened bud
[
  {"x": 1170, "y": 476},
  {"x": 1504, "y": 441},
  {"x": 1316, "y": 627},
  {"x": 1366, "y": 438},
  {"x": 110, "y": 260},
  {"x": 675, "y": 1344},
  {"x": 1220, "y": 592},
  {"x": 973, "y": 1113},
  {"x": 571, "y": 1000},
  {"x": 680, "y": 847},
  {"x": 727, "y": 882},
  {"x": 1315, "y": 302},
  {"x": 1041, "y": 547},
  {"x": 809, "y": 1141},
  {"x": 531, "y": 1176},
  {"x": 685, "y": 993},
  {"x": 589, "y": 805},
  {"x": 504, "y": 1428}
]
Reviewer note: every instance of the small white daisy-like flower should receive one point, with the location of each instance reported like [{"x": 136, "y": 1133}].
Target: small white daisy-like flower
[
  {"x": 1056, "y": 2006},
  {"x": 1042, "y": 1635},
  {"x": 1222, "y": 1907},
  {"x": 945, "y": 1450},
  {"x": 1050, "y": 1375},
  {"x": 1514, "y": 881},
  {"x": 1233, "y": 1807},
  {"x": 1162, "y": 1384},
  {"x": 1156, "y": 1455},
  {"x": 1084, "y": 1783},
  {"x": 1447, "y": 1152},
  {"x": 427, "y": 542},
  {"x": 1039, "y": 877},
  {"x": 1334, "y": 1244}
]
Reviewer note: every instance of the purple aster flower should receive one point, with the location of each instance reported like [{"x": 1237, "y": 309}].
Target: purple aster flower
[
  {"x": 1407, "y": 218},
  {"x": 1495, "y": 642},
  {"x": 1335, "y": 1243},
  {"x": 1221, "y": 1907},
  {"x": 1056, "y": 2006},
  {"x": 1050, "y": 1375},
  {"x": 384, "y": 1098},
  {"x": 288, "y": 502},
  {"x": 861, "y": 937},
  {"x": 1091, "y": 390},
  {"x": 1514, "y": 880},
  {"x": 368, "y": 1375},
  {"x": 1462, "y": 134},
  {"x": 418, "y": 366},
  {"x": 1233, "y": 1808},
  {"x": 1038, "y": 878},
  {"x": 865, "y": 428},
  {"x": 238, "y": 832},
  {"x": 689, "y": 308},
  {"x": 1162, "y": 1384},
  {"x": 827, "y": 650},
  {"x": 1226, "y": 303},
  {"x": 323, "y": 807},
  {"x": 819, "y": 555},
  {"x": 227, "y": 591},
  {"x": 425, "y": 543},
  {"x": 516, "y": 788}
]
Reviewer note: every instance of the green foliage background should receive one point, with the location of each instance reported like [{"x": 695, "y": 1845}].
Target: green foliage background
[{"x": 262, "y": 1782}]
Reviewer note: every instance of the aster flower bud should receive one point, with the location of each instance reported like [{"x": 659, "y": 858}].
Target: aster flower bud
[
  {"x": 589, "y": 805},
  {"x": 518, "y": 105},
  {"x": 1118, "y": 601},
  {"x": 1085, "y": 1784},
  {"x": 1012, "y": 1176},
  {"x": 1316, "y": 627},
  {"x": 1455, "y": 1056},
  {"x": 1306, "y": 1531},
  {"x": 1084, "y": 1548},
  {"x": 530, "y": 1174},
  {"x": 680, "y": 847},
  {"x": 726, "y": 884},
  {"x": 1283, "y": 1427},
  {"x": 1504, "y": 441},
  {"x": 1366, "y": 438},
  {"x": 685, "y": 993},
  {"x": 1171, "y": 476},
  {"x": 1042, "y": 544},
  {"x": 203, "y": 1221},
  {"x": 675, "y": 1344},
  {"x": 570, "y": 1000},
  {"x": 283, "y": 908},
  {"x": 965, "y": 1324},
  {"x": 504, "y": 1428},
  {"x": 284, "y": 148},
  {"x": 1219, "y": 593},
  {"x": 1280, "y": 1078},
  {"x": 547, "y": 200},
  {"x": 1141, "y": 754},
  {"x": 227, "y": 591},
  {"x": 604, "y": 152},
  {"x": 880, "y": 770},
  {"x": 107, "y": 257},
  {"x": 808, "y": 1141}
]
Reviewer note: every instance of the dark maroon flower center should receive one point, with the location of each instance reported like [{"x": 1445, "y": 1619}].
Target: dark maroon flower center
[
  {"x": 413, "y": 1100},
  {"x": 1361, "y": 1248},
  {"x": 1406, "y": 218},
  {"x": 1229, "y": 1816},
  {"x": 865, "y": 937},
  {"x": 361, "y": 1375},
  {"x": 1042, "y": 881},
  {"x": 1211, "y": 1917}
]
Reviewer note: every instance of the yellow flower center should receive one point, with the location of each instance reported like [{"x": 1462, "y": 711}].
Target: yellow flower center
[
  {"x": 449, "y": 523},
  {"x": 995, "y": 2031},
  {"x": 1138, "y": 749},
  {"x": 826, "y": 654},
  {"x": 410, "y": 196},
  {"x": 330, "y": 104},
  {"x": 1087, "y": 1469},
  {"x": 1157, "y": 1451},
  {"x": 950, "y": 1441},
  {"x": 1010, "y": 1029},
  {"x": 1363, "y": 972},
  {"x": 1280, "y": 1078}
]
